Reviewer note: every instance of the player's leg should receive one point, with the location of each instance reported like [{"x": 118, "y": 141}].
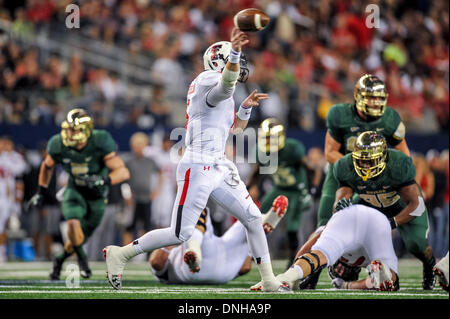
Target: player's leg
[
  {"x": 193, "y": 255},
  {"x": 74, "y": 207},
  {"x": 237, "y": 201},
  {"x": 336, "y": 238},
  {"x": 194, "y": 188},
  {"x": 440, "y": 271},
  {"x": 414, "y": 235}
]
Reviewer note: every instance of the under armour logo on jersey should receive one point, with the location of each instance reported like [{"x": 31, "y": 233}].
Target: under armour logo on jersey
[{"x": 206, "y": 168}]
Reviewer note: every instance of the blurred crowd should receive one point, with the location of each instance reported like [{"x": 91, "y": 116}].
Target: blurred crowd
[
  {"x": 144, "y": 202},
  {"x": 307, "y": 59}
]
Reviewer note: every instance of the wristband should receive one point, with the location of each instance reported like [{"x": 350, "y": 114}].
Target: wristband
[
  {"x": 234, "y": 57},
  {"x": 244, "y": 113},
  {"x": 393, "y": 223}
]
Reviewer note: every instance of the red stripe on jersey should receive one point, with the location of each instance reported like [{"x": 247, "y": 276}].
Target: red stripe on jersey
[
  {"x": 185, "y": 187},
  {"x": 187, "y": 121}
]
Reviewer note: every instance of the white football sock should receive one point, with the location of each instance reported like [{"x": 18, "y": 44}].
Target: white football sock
[{"x": 153, "y": 240}]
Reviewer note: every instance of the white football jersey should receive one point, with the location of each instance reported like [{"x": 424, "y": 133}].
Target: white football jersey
[{"x": 208, "y": 126}]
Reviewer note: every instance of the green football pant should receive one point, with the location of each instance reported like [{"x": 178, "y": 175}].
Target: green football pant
[
  {"x": 88, "y": 212},
  {"x": 329, "y": 188},
  {"x": 414, "y": 235},
  {"x": 298, "y": 203}
]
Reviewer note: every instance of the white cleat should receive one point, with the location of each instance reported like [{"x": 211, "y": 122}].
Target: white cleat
[
  {"x": 115, "y": 263},
  {"x": 271, "y": 286},
  {"x": 440, "y": 270},
  {"x": 380, "y": 275},
  {"x": 275, "y": 214}
]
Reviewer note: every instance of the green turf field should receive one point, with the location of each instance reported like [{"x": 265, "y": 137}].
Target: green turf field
[{"x": 29, "y": 280}]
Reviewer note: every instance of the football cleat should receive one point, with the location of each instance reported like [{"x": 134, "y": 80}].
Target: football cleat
[
  {"x": 381, "y": 276},
  {"x": 428, "y": 276},
  {"x": 440, "y": 271},
  {"x": 275, "y": 214},
  {"x": 192, "y": 259},
  {"x": 271, "y": 286},
  {"x": 115, "y": 263},
  {"x": 85, "y": 271},
  {"x": 56, "y": 271},
  {"x": 310, "y": 282},
  {"x": 291, "y": 285}
]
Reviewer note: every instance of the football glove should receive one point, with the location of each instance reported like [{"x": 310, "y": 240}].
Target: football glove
[
  {"x": 343, "y": 203},
  {"x": 37, "y": 199},
  {"x": 93, "y": 181}
]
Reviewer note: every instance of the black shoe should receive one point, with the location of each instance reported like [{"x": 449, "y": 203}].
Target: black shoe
[
  {"x": 428, "y": 276},
  {"x": 85, "y": 271},
  {"x": 310, "y": 282},
  {"x": 56, "y": 272}
]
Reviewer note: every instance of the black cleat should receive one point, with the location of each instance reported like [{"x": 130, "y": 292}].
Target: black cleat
[
  {"x": 85, "y": 271},
  {"x": 56, "y": 272},
  {"x": 310, "y": 282},
  {"x": 428, "y": 277}
]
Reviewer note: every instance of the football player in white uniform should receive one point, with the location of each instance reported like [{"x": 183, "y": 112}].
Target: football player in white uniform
[
  {"x": 207, "y": 258},
  {"x": 356, "y": 232},
  {"x": 440, "y": 270},
  {"x": 204, "y": 171}
]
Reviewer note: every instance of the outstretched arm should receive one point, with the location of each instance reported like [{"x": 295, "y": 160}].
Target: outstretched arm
[{"x": 119, "y": 172}]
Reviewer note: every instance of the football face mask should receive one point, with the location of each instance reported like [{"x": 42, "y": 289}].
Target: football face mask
[
  {"x": 77, "y": 128},
  {"x": 216, "y": 57},
  {"x": 370, "y": 96},
  {"x": 369, "y": 155}
]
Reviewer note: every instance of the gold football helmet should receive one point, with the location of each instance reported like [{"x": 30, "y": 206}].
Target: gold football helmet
[
  {"x": 369, "y": 155},
  {"x": 370, "y": 86},
  {"x": 271, "y": 136},
  {"x": 77, "y": 128}
]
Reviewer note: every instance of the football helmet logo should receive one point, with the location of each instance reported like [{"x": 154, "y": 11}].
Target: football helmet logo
[
  {"x": 369, "y": 155},
  {"x": 77, "y": 128},
  {"x": 370, "y": 87},
  {"x": 216, "y": 57}
]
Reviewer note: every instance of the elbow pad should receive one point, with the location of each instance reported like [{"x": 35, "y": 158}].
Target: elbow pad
[{"x": 229, "y": 78}]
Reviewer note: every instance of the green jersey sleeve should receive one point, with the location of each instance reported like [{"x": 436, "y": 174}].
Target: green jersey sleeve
[
  {"x": 332, "y": 121},
  {"x": 403, "y": 171},
  {"x": 54, "y": 147},
  {"x": 342, "y": 171},
  {"x": 396, "y": 127},
  {"x": 104, "y": 142}
]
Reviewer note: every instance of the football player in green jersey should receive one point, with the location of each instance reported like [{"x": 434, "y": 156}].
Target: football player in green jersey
[
  {"x": 89, "y": 157},
  {"x": 385, "y": 179},
  {"x": 290, "y": 177},
  {"x": 345, "y": 121}
]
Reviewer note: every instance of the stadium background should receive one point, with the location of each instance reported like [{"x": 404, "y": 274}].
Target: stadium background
[{"x": 130, "y": 63}]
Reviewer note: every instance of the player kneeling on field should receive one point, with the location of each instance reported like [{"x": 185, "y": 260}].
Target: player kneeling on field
[{"x": 354, "y": 230}]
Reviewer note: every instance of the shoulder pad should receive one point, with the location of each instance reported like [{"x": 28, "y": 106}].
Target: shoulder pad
[{"x": 208, "y": 78}]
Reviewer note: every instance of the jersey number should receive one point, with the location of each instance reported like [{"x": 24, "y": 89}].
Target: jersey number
[
  {"x": 283, "y": 177},
  {"x": 381, "y": 200}
]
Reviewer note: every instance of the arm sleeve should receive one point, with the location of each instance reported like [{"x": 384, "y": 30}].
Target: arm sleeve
[
  {"x": 222, "y": 90},
  {"x": 398, "y": 130},
  {"x": 106, "y": 143},
  {"x": 332, "y": 126}
]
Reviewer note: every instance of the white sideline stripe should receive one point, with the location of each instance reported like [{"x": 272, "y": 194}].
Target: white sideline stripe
[
  {"x": 40, "y": 273},
  {"x": 216, "y": 292}
]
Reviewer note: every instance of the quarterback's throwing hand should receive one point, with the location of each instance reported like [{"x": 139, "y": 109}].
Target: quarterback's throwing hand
[
  {"x": 238, "y": 39},
  {"x": 253, "y": 99}
]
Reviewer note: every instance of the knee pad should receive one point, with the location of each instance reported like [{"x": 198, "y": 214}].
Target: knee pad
[{"x": 308, "y": 257}]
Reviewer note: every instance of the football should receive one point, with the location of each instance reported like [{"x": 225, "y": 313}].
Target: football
[{"x": 251, "y": 20}]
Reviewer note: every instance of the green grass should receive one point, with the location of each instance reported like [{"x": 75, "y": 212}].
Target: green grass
[{"x": 20, "y": 280}]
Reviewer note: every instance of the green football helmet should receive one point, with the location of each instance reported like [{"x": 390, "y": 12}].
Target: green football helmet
[
  {"x": 369, "y": 155},
  {"x": 77, "y": 128},
  {"x": 271, "y": 136},
  {"x": 370, "y": 86}
]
